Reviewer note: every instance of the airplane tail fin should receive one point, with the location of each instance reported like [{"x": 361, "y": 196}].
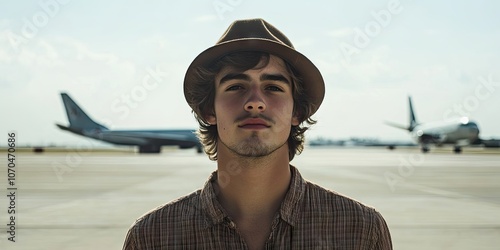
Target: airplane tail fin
[
  {"x": 78, "y": 120},
  {"x": 413, "y": 119}
]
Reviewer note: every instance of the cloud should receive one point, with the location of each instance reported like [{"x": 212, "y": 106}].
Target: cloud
[
  {"x": 372, "y": 68},
  {"x": 156, "y": 42},
  {"x": 206, "y": 18},
  {"x": 343, "y": 33},
  {"x": 59, "y": 61}
]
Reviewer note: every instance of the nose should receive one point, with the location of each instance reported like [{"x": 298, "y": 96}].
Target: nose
[{"x": 255, "y": 104}]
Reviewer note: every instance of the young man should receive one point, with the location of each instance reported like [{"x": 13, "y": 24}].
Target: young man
[{"x": 253, "y": 95}]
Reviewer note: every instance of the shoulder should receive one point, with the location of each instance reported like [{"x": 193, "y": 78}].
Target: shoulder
[
  {"x": 165, "y": 219},
  {"x": 173, "y": 210},
  {"x": 319, "y": 194},
  {"x": 159, "y": 226},
  {"x": 341, "y": 212},
  {"x": 329, "y": 203}
]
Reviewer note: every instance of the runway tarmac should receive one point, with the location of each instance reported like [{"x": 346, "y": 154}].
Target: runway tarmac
[{"x": 82, "y": 200}]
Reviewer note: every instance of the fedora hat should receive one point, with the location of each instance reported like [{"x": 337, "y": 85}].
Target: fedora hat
[{"x": 259, "y": 35}]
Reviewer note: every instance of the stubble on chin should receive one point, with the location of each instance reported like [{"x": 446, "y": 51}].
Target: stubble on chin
[{"x": 253, "y": 146}]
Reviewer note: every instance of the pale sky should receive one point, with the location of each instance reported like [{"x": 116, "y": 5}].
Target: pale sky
[{"x": 372, "y": 55}]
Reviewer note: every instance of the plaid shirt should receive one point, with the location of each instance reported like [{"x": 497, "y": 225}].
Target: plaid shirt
[{"x": 310, "y": 217}]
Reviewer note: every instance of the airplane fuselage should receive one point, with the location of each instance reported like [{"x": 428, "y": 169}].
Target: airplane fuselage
[
  {"x": 149, "y": 141},
  {"x": 181, "y": 138},
  {"x": 463, "y": 132}
]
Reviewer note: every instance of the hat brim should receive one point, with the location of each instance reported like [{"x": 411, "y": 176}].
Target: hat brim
[{"x": 313, "y": 81}]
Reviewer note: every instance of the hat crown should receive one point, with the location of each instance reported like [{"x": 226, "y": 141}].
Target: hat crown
[
  {"x": 254, "y": 29},
  {"x": 254, "y": 35}
]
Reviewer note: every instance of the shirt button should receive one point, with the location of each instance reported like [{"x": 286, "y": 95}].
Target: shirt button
[{"x": 232, "y": 225}]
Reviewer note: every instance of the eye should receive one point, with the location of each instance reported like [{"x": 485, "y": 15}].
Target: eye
[
  {"x": 274, "y": 88},
  {"x": 234, "y": 87}
]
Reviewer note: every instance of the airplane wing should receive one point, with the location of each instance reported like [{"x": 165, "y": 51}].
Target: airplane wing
[{"x": 392, "y": 124}]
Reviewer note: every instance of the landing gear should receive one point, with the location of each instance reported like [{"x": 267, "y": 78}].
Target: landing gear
[
  {"x": 425, "y": 149},
  {"x": 457, "y": 149},
  {"x": 155, "y": 149}
]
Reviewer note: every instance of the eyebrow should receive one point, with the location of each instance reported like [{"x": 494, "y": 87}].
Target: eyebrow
[
  {"x": 245, "y": 77},
  {"x": 274, "y": 77},
  {"x": 234, "y": 76}
]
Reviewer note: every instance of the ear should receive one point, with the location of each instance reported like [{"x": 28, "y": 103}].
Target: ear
[
  {"x": 295, "y": 120},
  {"x": 211, "y": 119}
]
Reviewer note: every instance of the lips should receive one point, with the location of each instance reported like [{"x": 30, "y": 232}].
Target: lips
[{"x": 254, "y": 123}]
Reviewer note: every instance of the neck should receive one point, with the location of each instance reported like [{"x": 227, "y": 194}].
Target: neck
[{"x": 252, "y": 188}]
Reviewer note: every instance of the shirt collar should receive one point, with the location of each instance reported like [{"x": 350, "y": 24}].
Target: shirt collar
[
  {"x": 209, "y": 202},
  {"x": 290, "y": 207}
]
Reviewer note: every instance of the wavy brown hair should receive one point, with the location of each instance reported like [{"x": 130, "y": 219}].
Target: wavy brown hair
[{"x": 202, "y": 94}]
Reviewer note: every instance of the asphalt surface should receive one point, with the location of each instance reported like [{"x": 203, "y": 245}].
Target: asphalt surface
[{"x": 87, "y": 200}]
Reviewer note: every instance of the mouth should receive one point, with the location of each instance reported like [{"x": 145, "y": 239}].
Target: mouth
[{"x": 254, "y": 124}]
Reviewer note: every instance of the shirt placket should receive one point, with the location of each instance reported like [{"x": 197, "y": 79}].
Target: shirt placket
[
  {"x": 232, "y": 226},
  {"x": 271, "y": 240}
]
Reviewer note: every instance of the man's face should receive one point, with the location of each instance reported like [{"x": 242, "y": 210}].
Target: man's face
[{"x": 254, "y": 108}]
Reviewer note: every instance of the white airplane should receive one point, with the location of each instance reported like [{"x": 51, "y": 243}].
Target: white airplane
[
  {"x": 149, "y": 141},
  {"x": 461, "y": 132}
]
